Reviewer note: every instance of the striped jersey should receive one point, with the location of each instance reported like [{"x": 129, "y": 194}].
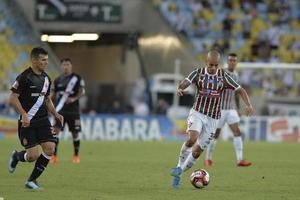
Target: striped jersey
[
  {"x": 228, "y": 96},
  {"x": 33, "y": 89},
  {"x": 209, "y": 88},
  {"x": 61, "y": 84}
]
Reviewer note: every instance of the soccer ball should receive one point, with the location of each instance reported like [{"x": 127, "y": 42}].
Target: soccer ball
[{"x": 200, "y": 178}]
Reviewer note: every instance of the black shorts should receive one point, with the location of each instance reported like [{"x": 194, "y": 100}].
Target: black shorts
[
  {"x": 34, "y": 135},
  {"x": 73, "y": 122}
]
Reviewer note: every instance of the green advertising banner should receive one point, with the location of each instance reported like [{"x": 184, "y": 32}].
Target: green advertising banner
[{"x": 78, "y": 11}]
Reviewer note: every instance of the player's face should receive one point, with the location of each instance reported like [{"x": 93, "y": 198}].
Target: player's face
[
  {"x": 41, "y": 62},
  {"x": 232, "y": 62},
  {"x": 212, "y": 63},
  {"x": 67, "y": 67}
]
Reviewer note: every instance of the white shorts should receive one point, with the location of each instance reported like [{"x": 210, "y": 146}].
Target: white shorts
[
  {"x": 229, "y": 117},
  {"x": 204, "y": 125}
]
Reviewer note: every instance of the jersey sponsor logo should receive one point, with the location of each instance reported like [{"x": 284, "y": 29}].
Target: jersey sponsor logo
[
  {"x": 210, "y": 80},
  {"x": 209, "y": 93},
  {"x": 38, "y": 94},
  {"x": 32, "y": 86}
]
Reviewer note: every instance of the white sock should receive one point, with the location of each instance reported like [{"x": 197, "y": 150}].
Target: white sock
[
  {"x": 238, "y": 146},
  {"x": 210, "y": 149},
  {"x": 189, "y": 162},
  {"x": 25, "y": 157},
  {"x": 46, "y": 156},
  {"x": 184, "y": 152}
]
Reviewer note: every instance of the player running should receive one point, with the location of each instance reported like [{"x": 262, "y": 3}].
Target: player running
[
  {"x": 31, "y": 99},
  {"x": 203, "y": 118}
]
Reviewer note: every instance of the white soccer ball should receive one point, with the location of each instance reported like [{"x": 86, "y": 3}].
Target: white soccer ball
[{"x": 200, "y": 178}]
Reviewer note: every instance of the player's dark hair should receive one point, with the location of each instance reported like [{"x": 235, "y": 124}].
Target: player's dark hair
[
  {"x": 37, "y": 51},
  {"x": 65, "y": 60},
  {"x": 232, "y": 54}
]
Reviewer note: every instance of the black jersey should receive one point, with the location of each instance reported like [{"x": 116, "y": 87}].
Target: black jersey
[
  {"x": 64, "y": 87},
  {"x": 33, "y": 90}
]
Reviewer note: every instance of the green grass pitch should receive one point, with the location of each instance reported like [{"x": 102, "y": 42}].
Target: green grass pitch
[{"x": 140, "y": 170}]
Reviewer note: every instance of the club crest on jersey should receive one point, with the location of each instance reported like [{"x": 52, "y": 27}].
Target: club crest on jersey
[
  {"x": 220, "y": 83},
  {"x": 46, "y": 85}
]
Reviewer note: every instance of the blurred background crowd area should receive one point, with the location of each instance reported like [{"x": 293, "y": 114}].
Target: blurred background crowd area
[{"x": 258, "y": 31}]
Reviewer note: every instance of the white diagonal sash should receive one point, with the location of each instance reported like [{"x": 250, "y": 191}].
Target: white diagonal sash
[
  {"x": 34, "y": 109},
  {"x": 66, "y": 94}
]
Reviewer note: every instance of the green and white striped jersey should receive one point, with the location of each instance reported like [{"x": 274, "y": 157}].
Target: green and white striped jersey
[{"x": 208, "y": 97}]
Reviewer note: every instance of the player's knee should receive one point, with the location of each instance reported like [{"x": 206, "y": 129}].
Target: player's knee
[
  {"x": 193, "y": 136},
  {"x": 237, "y": 133},
  {"x": 190, "y": 142},
  {"x": 32, "y": 157},
  {"x": 49, "y": 150}
]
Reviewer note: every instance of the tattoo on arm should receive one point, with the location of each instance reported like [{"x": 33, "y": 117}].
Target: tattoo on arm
[{"x": 184, "y": 84}]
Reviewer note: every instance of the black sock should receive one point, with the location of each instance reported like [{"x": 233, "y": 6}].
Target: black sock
[
  {"x": 56, "y": 146},
  {"x": 40, "y": 165},
  {"x": 20, "y": 156},
  {"x": 76, "y": 144}
]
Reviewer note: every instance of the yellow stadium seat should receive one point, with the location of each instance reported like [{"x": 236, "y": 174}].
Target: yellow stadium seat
[
  {"x": 273, "y": 17},
  {"x": 258, "y": 25},
  {"x": 237, "y": 28},
  {"x": 295, "y": 24},
  {"x": 208, "y": 14}
]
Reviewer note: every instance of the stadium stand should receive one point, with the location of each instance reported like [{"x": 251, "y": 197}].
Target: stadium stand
[
  {"x": 264, "y": 31},
  {"x": 16, "y": 41},
  {"x": 260, "y": 32}
]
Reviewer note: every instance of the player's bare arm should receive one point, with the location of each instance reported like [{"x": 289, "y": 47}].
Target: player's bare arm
[
  {"x": 181, "y": 87},
  {"x": 52, "y": 95},
  {"x": 242, "y": 92},
  {"x": 52, "y": 110},
  {"x": 14, "y": 100},
  {"x": 81, "y": 93}
]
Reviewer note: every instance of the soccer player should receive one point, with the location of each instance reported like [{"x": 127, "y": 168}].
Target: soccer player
[
  {"x": 31, "y": 99},
  {"x": 203, "y": 118},
  {"x": 67, "y": 90},
  {"x": 229, "y": 115}
]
